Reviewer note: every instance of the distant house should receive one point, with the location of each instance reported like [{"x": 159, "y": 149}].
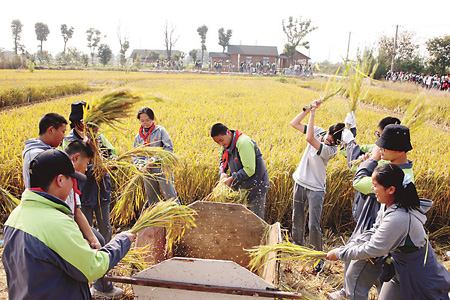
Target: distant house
[
  {"x": 236, "y": 54},
  {"x": 299, "y": 58},
  {"x": 150, "y": 56}
]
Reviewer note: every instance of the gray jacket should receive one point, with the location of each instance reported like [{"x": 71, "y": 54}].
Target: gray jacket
[
  {"x": 158, "y": 138},
  {"x": 393, "y": 228},
  {"x": 32, "y": 148}
]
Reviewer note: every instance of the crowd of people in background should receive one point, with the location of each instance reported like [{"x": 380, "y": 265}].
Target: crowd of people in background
[{"x": 428, "y": 81}]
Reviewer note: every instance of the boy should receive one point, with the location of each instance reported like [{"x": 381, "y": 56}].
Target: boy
[
  {"x": 248, "y": 171},
  {"x": 96, "y": 196},
  {"x": 52, "y": 128},
  {"x": 81, "y": 154},
  {"x": 392, "y": 146},
  {"x": 45, "y": 255}
]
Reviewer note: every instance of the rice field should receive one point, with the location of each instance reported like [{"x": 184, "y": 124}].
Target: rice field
[{"x": 260, "y": 107}]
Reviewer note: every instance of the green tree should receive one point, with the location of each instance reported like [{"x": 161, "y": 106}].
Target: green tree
[
  {"x": 16, "y": 27},
  {"x": 439, "y": 49},
  {"x": 202, "y": 31},
  {"x": 93, "y": 38},
  {"x": 42, "y": 32},
  {"x": 406, "y": 51},
  {"x": 105, "y": 53},
  {"x": 67, "y": 34},
  {"x": 296, "y": 30},
  {"x": 193, "y": 54},
  {"x": 224, "y": 38}
]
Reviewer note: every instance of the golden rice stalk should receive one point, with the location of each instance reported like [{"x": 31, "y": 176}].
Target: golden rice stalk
[
  {"x": 169, "y": 214},
  {"x": 166, "y": 160},
  {"x": 135, "y": 257},
  {"x": 356, "y": 75},
  {"x": 415, "y": 115},
  {"x": 109, "y": 110},
  {"x": 331, "y": 90},
  {"x": 288, "y": 250},
  {"x": 7, "y": 200},
  {"x": 224, "y": 194},
  {"x": 131, "y": 199}
]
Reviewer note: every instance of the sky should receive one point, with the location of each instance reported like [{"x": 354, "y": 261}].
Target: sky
[{"x": 253, "y": 23}]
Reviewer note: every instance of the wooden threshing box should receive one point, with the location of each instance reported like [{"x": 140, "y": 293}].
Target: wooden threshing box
[{"x": 210, "y": 262}]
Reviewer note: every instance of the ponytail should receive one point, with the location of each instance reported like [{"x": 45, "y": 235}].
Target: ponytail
[{"x": 405, "y": 194}]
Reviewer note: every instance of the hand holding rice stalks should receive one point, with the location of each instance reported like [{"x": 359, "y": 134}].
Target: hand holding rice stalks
[
  {"x": 287, "y": 251},
  {"x": 169, "y": 214},
  {"x": 331, "y": 90},
  {"x": 224, "y": 194}
]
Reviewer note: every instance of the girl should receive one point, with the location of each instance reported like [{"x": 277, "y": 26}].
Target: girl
[
  {"x": 399, "y": 231},
  {"x": 153, "y": 135},
  {"x": 310, "y": 177}
]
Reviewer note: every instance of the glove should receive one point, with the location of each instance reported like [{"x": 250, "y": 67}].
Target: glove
[
  {"x": 350, "y": 119},
  {"x": 347, "y": 136}
]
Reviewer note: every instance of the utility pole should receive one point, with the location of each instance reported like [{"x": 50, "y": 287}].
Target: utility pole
[
  {"x": 395, "y": 48},
  {"x": 348, "y": 46}
]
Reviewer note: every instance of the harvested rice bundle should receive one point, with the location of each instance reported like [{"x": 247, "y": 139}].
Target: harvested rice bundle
[
  {"x": 331, "y": 90},
  {"x": 224, "y": 194},
  {"x": 169, "y": 214},
  {"x": 286, "y": 251}
]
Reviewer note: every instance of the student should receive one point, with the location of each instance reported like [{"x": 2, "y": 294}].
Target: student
[
  {"x": 81, "y": 154},
  {"x": 242, "y": 157},
  {"x": 399, "y": 231},
  {"x": 392, "y": 146},
  {"x": 310, "y": 177},
  {"x": 45, "y": 255},
  {"x": 153, "y": 135},
  {"x": 96, "y": 196},
  {"x": 52, "y": 128}
]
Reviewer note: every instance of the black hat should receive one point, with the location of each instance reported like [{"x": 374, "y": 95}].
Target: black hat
[
  {"x": 395, "y": 137},
  {"x": 49, "y": 164},
  {"x": 76, "y": 111}
]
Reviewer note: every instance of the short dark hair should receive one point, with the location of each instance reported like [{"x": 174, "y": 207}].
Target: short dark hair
[
  {"x": 148, "y": 111},
  {"x": 51, "y": 120},
  {"x": 389, "y": 175},
  {"x": 336, "y": 132},
  {"x": 79, "y": 147},
  {"x": 218, "y": 129},
  {"x": 388, "y": 121}
]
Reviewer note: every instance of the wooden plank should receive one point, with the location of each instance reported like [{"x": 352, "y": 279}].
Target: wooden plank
[
  {"x": 223, "y": 231},
  {"x": 204, "y": 288},
  {"x": 271, "y": 269},
  {"x": 155, "y": 239}
]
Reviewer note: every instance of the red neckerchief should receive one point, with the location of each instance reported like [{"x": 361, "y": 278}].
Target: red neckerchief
[
  {"x": 76, "y": 192},
  {"x": 146, "y": 137},
  {"x": 225, "y": 153}
]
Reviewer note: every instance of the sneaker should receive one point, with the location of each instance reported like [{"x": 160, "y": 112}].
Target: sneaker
[
  {"x": 318, "y": 268},
  {"x": 335, "y": 295},
  {"x": 114, "y": 293}
]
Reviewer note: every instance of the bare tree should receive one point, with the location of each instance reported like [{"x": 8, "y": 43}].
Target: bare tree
[
  {"x": 124, "y": 45},
  {"x": 295, "y": 31},
  {"x": 169, "y": 39},
  {"x": 16, "y": 27}
]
